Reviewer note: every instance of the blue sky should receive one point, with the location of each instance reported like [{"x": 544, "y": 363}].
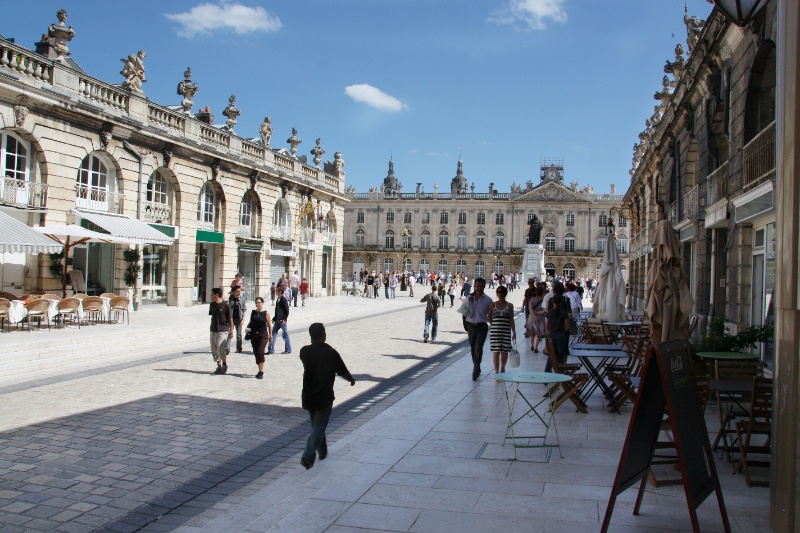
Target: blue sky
[{"x": 502, "y": 84}]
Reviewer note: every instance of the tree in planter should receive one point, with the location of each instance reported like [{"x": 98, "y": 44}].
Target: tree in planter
[
  {"x": 58, "y": 271},
  {"x": 718, "y": 338},
  {"x": 131, "y": 256}
]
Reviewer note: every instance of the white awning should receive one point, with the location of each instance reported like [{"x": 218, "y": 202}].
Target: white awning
[
  {"x": 286, "y": 253},
  {"x": 17, "y": 237},
  {"x": 126, "y": 227}
]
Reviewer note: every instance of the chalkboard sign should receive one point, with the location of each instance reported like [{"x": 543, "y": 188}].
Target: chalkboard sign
[{"x": 668, "y": 383}]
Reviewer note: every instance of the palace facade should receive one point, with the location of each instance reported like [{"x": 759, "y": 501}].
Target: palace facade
[
  {"x": 476, "y": 233},
  {"x": 201, "y": 200}
]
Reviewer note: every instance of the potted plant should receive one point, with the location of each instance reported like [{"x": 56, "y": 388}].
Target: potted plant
[
  {"x": 132, "y": 256},
  {"x": 719, "y": 339}
]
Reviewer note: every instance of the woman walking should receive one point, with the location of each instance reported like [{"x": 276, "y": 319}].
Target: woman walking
[
  {"x": 557, "y": 324},
  {"x": 535, "y": 324},
  {"x": 451, "y": 292},
  {"x": 260, "y": 332},
  {"x": 503, "y": 333}
]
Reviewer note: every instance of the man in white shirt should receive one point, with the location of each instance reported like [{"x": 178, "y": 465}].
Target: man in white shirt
[
  {"x": 294, "y": 284},
  {"x": 411, "y": 281},
  {"x": 478, "y": 324}
]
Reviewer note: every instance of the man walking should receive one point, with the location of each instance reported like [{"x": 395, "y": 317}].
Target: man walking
[
  {"x": 412, "y": 280},
  {"x": 478, "y": 324},
  {"x": 294, "y": 284},
  {"x": 279, "y": 318},
  {"x": 221, "y": 329},
  {"x": 238, "y": 309},
  {"x": 432, "y": 304},
  {"x": 321, "y": 364}
]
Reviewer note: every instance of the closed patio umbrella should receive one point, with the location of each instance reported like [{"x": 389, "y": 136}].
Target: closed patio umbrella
[
  {"x": 669, "y": 301},
  {"x": 609, "y": 299}
]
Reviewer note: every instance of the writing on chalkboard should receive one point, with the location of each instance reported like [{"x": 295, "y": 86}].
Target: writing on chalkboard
[{"x": 668, "y": 385}]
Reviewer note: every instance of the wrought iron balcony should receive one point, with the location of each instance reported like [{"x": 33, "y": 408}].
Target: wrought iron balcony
[
  {"x": 21, "y": 193},
  {"x": 759, "y": 158},
  {"x": 97, "y": 199},
  {"x": 672, "y": 213},
  {"x": 157, "y": 212},
  {"x": 717, "y": 184},
  {"x": 307, "y": 235},
  {"x": 691, "y": 204},
  {"x": 329, "y": 238},
  {"x": 283, "y": 233}
]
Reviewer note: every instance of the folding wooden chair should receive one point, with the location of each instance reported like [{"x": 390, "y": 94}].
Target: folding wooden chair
[
  {"x": 759, "y": 422},
  {"x": 625, "y": 381},
  {"x": 596, "y": 332},
  {"x": 571, "y": 389},
  {"x": 733, "y": 405}
]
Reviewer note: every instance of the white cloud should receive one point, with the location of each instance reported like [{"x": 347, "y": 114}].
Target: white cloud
[
  {"x": 204, "y": 18},
  {"x": 372, "y": 96},
  {"x": 529, "y": 14}
]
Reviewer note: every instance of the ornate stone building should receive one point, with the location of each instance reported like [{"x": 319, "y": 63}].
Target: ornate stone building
[
  {"x": 477, "y": 233},
  {"x": 706, "y": 161},
  {"x": 202, "y": 201}
]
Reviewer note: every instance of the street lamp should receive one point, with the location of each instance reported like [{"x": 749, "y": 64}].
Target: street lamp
[
  {"x": 610, "y": 226},
  {"x": 740, "y": 12},
  {"x": 320, "y": 217}
]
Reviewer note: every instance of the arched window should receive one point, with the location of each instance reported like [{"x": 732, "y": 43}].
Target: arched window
[
  {"x": 499, "y": 241},
  {"x": 424, "y": 265},
  {"x": 95, "y": 182},
  {"x": 461, "y": 239},
  {"x": 388, "y": 264},
  {"x": 550, "y": 242},
  {"x": 282, "y": 220},
  {"x": 480, "y": 269},
  {"x": 499, "y": 267},
  {"x": 550, "y": 269},
  {"x": 461, "y": 267},
  {"x": 247, "y": 222},
  {"x": 442, "y": 266},
  {"x": 569, "y": 243},
  {"x": 569, "y": 270},
  {"x": 206, "y": 208},
  {"x": 622, "y": 243},
  {"x": 444, "y": 239},
  {"x": 14, "y": 165},
  {"x": 601, "y": 242},
  {"x": 425, "y": 239},
  {"x": 480, "y": 240},
  {"x": 360, "y": 236},
  {"x": 389, "y": 239},
  {"x": 603, "y": 220}
]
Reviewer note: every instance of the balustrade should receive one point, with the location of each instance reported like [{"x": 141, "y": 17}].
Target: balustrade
[
  {"x": 104, "y": 93},
  {"x": 215, "y": 136},
  {"x": 24, "y": 62},
  {"x": 167, "y": 117},
  {"x": 253, "y": 149},
  {"x": 717, "y": 184},
  {"x": 99, "y": 199},
  {"x": 284, "y": 162},
  {"x": 283, "y": 233},
  {"x": 759, "y": 158}
]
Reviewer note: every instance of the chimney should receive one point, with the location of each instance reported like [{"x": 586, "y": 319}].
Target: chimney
[{"x": 204, "y": 115}]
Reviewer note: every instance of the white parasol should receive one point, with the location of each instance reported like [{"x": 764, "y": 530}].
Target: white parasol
[{"x": 609, "y": 299}]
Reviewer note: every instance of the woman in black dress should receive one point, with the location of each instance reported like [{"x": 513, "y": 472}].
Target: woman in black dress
[{"x": 260, "y": 332}]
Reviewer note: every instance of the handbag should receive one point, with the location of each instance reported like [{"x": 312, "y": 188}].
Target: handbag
[
  {"x": 513, "y": 358},
  {"x": 465, "y": 308},
  {"x": 247, "y": 335}
]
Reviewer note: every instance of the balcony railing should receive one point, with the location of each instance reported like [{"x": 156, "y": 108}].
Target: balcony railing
[
  {"x": 157, "y": 212},
  {"x": 21, "y": 193},
  {"x": 245, "y": 231},
  {"x": 283, "y": 233},
  {"x": 717, "y": 184},
  {"x": 329, "y": 238},
  {"x": 99, "y": 199},
  {"x": 307, "y": 234},
  {"x": 672, "y": 213},
  {"x": 759, "y": 158},
  {"x": 691, "y": 203}
]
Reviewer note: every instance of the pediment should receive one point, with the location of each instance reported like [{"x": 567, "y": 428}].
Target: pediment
[{"x": 551, "y": 192}]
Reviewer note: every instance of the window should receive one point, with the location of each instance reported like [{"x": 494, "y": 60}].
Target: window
[
  {"x": 570, "y": 220},
  {"x": 622, "y": 243},
  {"x": 550, "y": 269},
  {"x": 360, "y": 217},
  {"x": 601, "y": 242},
  {"x": 206, "y": 208},
  {"x": 388, "y": 264},
  {"x": 499, "y": 241},
  {"x": 14, "y": 161},
  {"x": 425, "y": 239},
  {"x": 389, "y": 241},
  {"x": 481, "y": 218},
  {"x": 246, "y": 219},
  {"x": 360, "y": 237},
  {"x": 480, "y": 240},
  {"x": 442, "y": 266},
  {"x": 424, "y": 265},
  {"x": 443, "y": 217},
  {"x": 603, "y": 221},
  {"x": 92, "y": 189},
  {"x": 550, "y": 242},
  {"x": 569, "y": 243},
  {"x": 569, "y": 270},
  {"x": 530, "y": 217},
  {"x": 407, "y": 218},
  {"x": 498, "y": 267},
  {"x": 443, "y": 239},
  {"x": 461, "y": 240},
  {"x": 462, "y": 218},
  {"x": 426, "y": 218},
  {"x": 390, "y": 216},
  {"x": 499, "y": 219},
  {"x": 282, "y": 218},
  {"x": 623, "y": 222},
  {"x": 480, "y": 269},
  {"x": 461, "y": 267},
  {"x": 157, "y": 189},
  {"x": 407, "y": 239}
]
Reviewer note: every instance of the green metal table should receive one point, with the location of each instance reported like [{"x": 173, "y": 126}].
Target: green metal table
[
  {"x": 728, "y": 356},
  {"x": 533, "y": 378}
]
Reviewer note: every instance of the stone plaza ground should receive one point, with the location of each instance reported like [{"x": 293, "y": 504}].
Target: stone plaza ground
[{"x": 124, "y": 428}]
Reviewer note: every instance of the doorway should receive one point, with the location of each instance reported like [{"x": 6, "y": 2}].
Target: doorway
[
  {"x": 95, "y": 261},
  {"x": 248, "y": 268},
  {"x": 154, "y": 273},
  {"x": 204, "y": 277}
]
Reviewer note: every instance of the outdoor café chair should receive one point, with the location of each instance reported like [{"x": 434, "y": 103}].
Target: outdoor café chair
[
  {"x": 38, "y": 309},
  {"x": 93, "y": 307},
  {"x": 68, "y": 307},
  {"x": 5, "y": 305},
  {"x": 80, "y": 295},
  {"x": 49, "y": 296},
  {"x": 734, "y": 405},
  {"x": 571, "y": 389},
  {"x": 8, "y": 296},
  {"x": 759, "y": 422},
  {"x": 119, "y": 306},
  {"x": 108, "y": 295}
]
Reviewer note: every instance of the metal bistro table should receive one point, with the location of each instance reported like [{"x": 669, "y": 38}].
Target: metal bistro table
[
  {"x": 728, "y": 356},
  {"x": 598, "y": 370},
  {"x": 543, "y": 378},
  {"x": 615, "y": 328}
]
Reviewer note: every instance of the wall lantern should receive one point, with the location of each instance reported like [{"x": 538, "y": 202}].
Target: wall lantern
[{"x": 740, "y": 12}]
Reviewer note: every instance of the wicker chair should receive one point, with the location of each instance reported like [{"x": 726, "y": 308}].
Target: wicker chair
[
  {"x": 68, "y": 307},
  {"x": 38, "y": 309},
  {"x": 5, "y": 305},
  {"x": 49, "y": 296},
  {"x": 93, "y": 307},
  {"x": 108, "y": 295},
  {"x": 119, "y": 306},
  {"x": 8, "y": 296},
  {"x": 80, "y": 295}
]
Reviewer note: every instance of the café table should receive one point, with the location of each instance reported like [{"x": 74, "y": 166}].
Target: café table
[
  {"x": 17, "y": 311},
  {"x": 532, "y": 410},
  {"x": 728, "y": 356},
  {"x": 596, "y": 362},
  {"x": 584, "y": 346},
  {"x": 615, "y": 328}
]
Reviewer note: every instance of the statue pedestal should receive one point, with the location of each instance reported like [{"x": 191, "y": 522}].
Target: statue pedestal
[{"x": 533, "y": 262}]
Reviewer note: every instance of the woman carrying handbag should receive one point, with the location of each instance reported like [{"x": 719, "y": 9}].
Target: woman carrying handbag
[{"x": 259, "y": 331}]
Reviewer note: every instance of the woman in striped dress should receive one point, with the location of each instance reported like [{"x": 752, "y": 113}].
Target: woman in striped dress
[{"x": 502, "y": 334}]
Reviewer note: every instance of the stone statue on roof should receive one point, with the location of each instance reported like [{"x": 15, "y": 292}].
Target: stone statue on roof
[
  {"x": 266, "y": 131},
  {"x": 694, "y": 26},
  {"x": 133, "y": 71}
]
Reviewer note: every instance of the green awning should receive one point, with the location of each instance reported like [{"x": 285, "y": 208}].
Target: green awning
[
  {"x": 213, "y": 237},
  {"x": 169, "y": 231}
]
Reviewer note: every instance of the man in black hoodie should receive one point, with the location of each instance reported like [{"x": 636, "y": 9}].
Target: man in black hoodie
[{"x": 279, "y": 319}]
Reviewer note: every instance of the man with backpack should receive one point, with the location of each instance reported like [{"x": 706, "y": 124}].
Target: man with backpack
[
  {"x": 238, "y": 308},
  {"x": 432, "y": 304}
]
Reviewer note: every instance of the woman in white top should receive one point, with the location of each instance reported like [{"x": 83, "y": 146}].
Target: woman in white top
[{"x": 451, "y": 292}]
